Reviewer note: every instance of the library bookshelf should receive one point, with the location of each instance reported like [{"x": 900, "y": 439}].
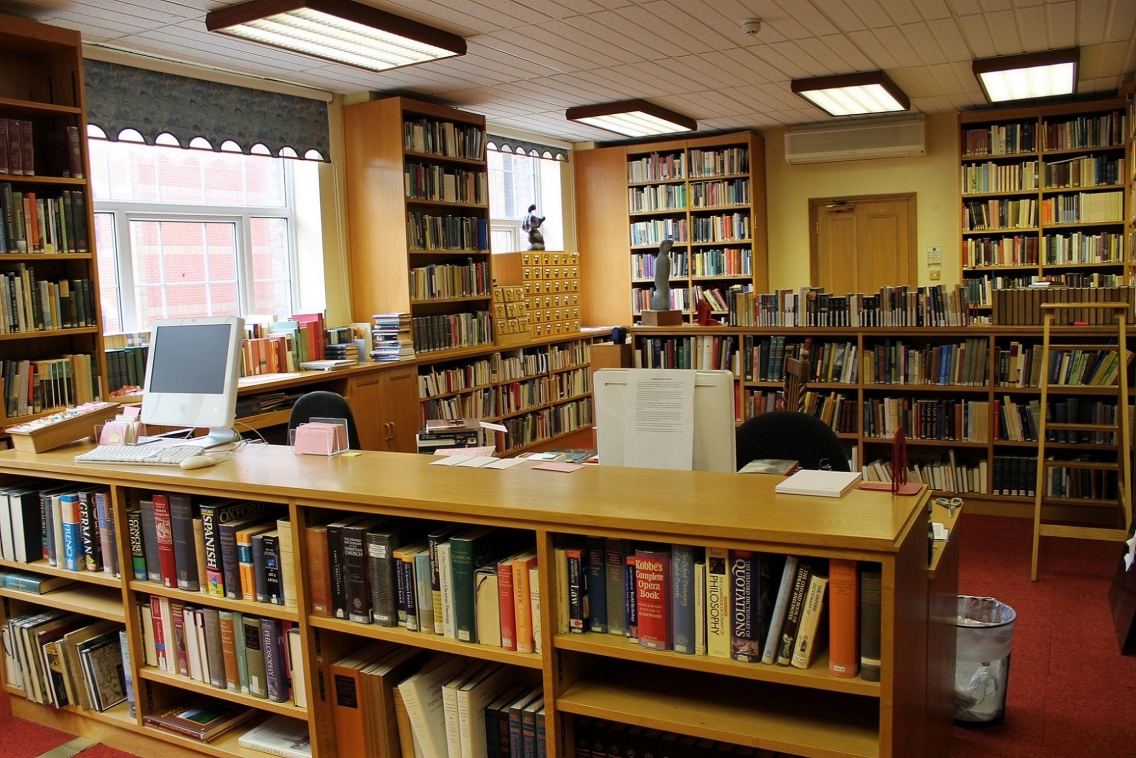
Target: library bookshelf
[
  {"x": 41, "y": 88},
  {"x": 801, "y": 712},
  {"x": 991, "y": 455},
  {"x": 707, "y": 194},
  {"x": 1045, "y": 192},
  {"x": 419, "y": 215}
]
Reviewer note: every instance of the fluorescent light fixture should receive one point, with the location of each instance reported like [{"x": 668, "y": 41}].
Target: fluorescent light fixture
[
  {"x": 1031, "y": 75},
  {"x": 340, "y": 31},
  {"x": 853, "y": 94},
  {"x": 632, "y": 118}
]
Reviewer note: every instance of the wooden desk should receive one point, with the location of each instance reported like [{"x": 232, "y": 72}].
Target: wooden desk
[{"x": 802, "y": 712}]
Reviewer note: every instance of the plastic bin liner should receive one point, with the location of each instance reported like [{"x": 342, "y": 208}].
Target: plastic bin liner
[{"x": 984, "y": 636}]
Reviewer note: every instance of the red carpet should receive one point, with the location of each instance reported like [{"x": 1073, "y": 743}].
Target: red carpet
[{"x": 1071, "y": 694}]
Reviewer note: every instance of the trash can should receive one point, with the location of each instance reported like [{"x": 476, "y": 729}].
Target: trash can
[{"x": 982, "y": 660}]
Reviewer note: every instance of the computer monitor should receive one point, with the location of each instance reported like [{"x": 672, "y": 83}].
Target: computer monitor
[
  {"x": 191, "y": 376},
  {"x": 714, "y": 426}
]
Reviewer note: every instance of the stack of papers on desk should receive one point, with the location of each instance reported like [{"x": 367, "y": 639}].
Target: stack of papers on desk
[{"x": 819, "y": 483}]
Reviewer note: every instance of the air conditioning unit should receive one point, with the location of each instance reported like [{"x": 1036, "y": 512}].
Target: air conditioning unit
[{"x": 861, "y": 141}]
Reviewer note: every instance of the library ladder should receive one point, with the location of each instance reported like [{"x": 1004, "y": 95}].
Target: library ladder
[{"x": 1118, "y": 314}]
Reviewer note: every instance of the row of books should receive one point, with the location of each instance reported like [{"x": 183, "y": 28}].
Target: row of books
[
  {"x": 523, "y": 395},
  {"x": 444, "y": 138},
  {"x": 720, "y": 193},
  {"x": 685, "y": 299},
  {"x": 1021, "y": 421},
  {"x": 448, "y": 331},
  {"x": 391, "y": 336},
  {"x": 978, "y": 178},
  {"x": 663, "y": 197},
  {"x": 126, "y": 366},
  {"x": 1080, "y": 481},
  {"x": 449, "y": 280},
  {"x": 67, "y": 526},
  {"x": 943, "y": 475},
  {"x": 569, "y": 355},
  {"x": 427, "y": 577},
  {"x": 231, "y": 651},
  {"x": 450, "y": 185},
  {"x": 749, "y": 606},
  {"x": 718, "y": 161},
  {"x": 1086, "y": 131},
  {"x": 1084, "y": 171},
  {"x": 479, "y": 404},
  {"x": 643, "y": 264},
  {"x": 1085, "y": 368},
  {"x": 1018, "y": 250},
  {"x": 18, "y": 151},
  {"x": 522, "y": 431},
  {"x": 442, "y": 380},
  {"x": 657, "y": 167},
  {"x": 1104, "y": 247},
  {"x": 31, "y": 223},
  {"x": 1083, "y": 207},
  {"x": 707, "y": 353},
  {"x": 999, "y": 213},
  {"x": 721, "y": 228},
  {"x": 891, "y": 306},
  {"x": 653, "y": 232},
  {"x": 36, "y": 386},
  {"x": 834, "y": 409},
  {"x": 31, "y": 305},
  {"x": 599, "y": 738},
  {"x": 1014, "y": 475},
  {"x": 965, "y": 363},
  {"x": 921, "y": 419},
  {"x": 65, "y": 659},
  {"x": 529, "y": 362},
  {"x": 225, "y": 549},
  {"x": 426, "y": 232},
  {"x": 1000, "y": 139},
  {"x": 1016, "y": 307}
]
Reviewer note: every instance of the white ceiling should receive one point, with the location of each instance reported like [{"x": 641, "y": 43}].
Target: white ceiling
[{"x": 529, "y": 60}]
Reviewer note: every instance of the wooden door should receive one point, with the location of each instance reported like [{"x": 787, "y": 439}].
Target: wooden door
[
  {"x": 365, "y": 396},
  {"x": 859, "y": 244},
  {"x": 400, "y": 415}
]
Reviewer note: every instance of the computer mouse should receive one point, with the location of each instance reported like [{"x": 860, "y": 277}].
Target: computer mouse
[{"x": 197, "y": 461}]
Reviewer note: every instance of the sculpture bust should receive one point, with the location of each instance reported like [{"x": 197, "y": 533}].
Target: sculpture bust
[
  {"x": 531, "y": 224},
  {"x": 661, "y": 300}
]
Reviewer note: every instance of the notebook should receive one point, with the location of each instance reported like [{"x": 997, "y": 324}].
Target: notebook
[{"x": 819, "y": 483}]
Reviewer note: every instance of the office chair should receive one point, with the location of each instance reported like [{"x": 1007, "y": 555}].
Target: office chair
[
  {"x": 790, "y": 435},
  {"x": 322, "y": 404}
]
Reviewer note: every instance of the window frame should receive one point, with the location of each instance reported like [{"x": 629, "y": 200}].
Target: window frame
[
  {"x": 513, "y": 226},
  {"x": 125, "y": 211}
]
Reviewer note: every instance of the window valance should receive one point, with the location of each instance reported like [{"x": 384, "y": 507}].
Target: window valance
[
  {"x": 182, "y": 110},
  {"x": 525, "y": 147}
]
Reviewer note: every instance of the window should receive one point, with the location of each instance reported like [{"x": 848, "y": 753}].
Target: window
[
  {"x": 515, "y": 182},
  {"x": 183, "y": 233}
]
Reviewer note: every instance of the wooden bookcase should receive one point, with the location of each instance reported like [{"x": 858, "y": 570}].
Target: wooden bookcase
[
  {"x": 1019, "y": 156},
  {"x": 632, "y": 197},
  {"x": 799, "y": 712},
  {"x": 983, "y": 448},
  {"x": 541, "y": 391},
  {"x": 384, "y": 249},
  {"x": 41, "y": 81}
]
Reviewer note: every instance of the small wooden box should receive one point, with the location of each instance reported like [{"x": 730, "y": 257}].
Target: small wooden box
[
  {"x": 62, "y": 432},
  {"x": 662, "y": 318}
]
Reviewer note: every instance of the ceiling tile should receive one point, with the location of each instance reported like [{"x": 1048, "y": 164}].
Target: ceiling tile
[
  {"x": 1121, "y": 21},
  {"x": 892, "y": 38},
  {"x": 791, "y": 51},
  {"x": 676, "y": 38},
  {"x": 902, "y": 12},
  {"x": 992, "y": 6},
  {"x": 933, "y": 9},
  {"x": 946, "y": 33},
  {"x": 924, "y": 43},
  {"x": 870, "y": 12},
  {"x": 1031, "y": 22},
  {"x": 965, "y": 7},
  {"x": 1092, "y": 15},
  {"x": 704, "y": 28},
  {"x": 606, "y": 26},
  {"x": 840, "y": 14},
  {"x": 1004, "y": 29},
  {"x": 1062, "y": 24},
  {"x": 844, "y": 47},
  {"x": 807, "y": 20},
  {"x": 877, "y": 53},
  {"x": 757, "y": 70},
  {"x": 977, "y": 36}
]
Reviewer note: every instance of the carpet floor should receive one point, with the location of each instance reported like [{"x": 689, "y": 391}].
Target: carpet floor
[{"x": 1070, "y": 693}]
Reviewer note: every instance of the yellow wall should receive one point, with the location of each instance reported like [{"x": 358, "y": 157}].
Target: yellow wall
[{"x": 932, "y": 177}]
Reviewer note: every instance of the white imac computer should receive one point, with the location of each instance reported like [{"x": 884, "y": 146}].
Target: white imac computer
[
  {"x": 713, "y": 418},
  {"x": 191, "y": 376}
]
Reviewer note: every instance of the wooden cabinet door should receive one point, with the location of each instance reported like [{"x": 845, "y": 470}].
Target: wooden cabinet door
[
  {"x": 364, "y": 395},
  {"x": 398, "y": 393},
  {"x": 859, "y": 244}
]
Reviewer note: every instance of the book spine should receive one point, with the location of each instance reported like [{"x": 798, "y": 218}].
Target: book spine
[
  {"x": 597, "y": 585},
  {"x": 577, "y": 592},
  {"x": 199, "y": 554},
  {"x": 870, "y": 626},
  {"x": 745, "y": 645},
  {"x": 717, "y": 603},
  {"x": 780, "y": 607},
  {"x": 700, "y": 607},
  {"x": 615, "y": 577},
  {"x": 137, "y": 554},
  {"x": 163, "y": 530},
  {"x": 653, "y": 595},
  {"x": 810, "y": 631},
  {"x": 355, "y": 575},
  {"x": 213, "y": 648},
  {"x": 108, "y": 547},
  {"x": 507, "y": 603},
  {"x": 272, "y": 644},
  {"x": 682, "y": 598},
  {"x": 793, "y": 614},
  {"x": 843, "y": 617},
  {"x": 259, "y": 573},
  {"x": 211, "y": 535},
  {"x": 287, "y": 564},
  {"x": 230, "y": 562},
  {"x": 185, "y": 553},
  {"x": 254, "y": 659},
  {"x": 319, "y": 577},
  {"x": 409, "y": 590},
  {"x": 522, "y": 604},
  {"x": 181, "y": 648},
  {"x": 274, "y": 575},
  {"x": 229, "y": 651},
  {"x": 338, "y": 576},
  {"x": 89, "y": 529},
  {"x": 424, "y": 600},
  {"x": 631, "y": 603},
  {"x": 156, "y": 614},
  {"x": 73, "y": 559},
  {"x": 241, "y": 656}
]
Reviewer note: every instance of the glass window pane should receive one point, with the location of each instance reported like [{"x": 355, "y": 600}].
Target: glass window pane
[
  {"x": 265, "y": 181},
  {"x": 100, "y": 174},
  {"x": 224, "y": 179},
  {"x": 502, "y": 240},
  {"x": 271, "y": 266},
  {"x": 184, "y": 269},
  {"x": 179, "y": 174},
  {"x": 106, "y": 254}
]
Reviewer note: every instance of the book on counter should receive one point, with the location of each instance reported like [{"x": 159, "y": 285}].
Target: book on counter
[
  {"x": 819, "y": 483},
  {"x": 279, "y": 735},
  {"x": 328, "y": 364},
  {"x": 202, "y": 719},
  {"x": 778, "y": 466}
]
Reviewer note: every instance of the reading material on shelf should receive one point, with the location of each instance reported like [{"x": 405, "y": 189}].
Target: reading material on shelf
[
  {"x": 891, "y": 306},
  {"x": 279, "y": 735},
  {"x": 203, "y": 719},
  {"x": 819, "y": 483}
]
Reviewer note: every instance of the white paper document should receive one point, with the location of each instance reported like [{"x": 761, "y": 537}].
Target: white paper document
[
  {"x": 819, "y": 483},
  {"x": 660, "y": 426},
  {"x": 503, "y": 463},
  {"x": 477, "y": 462},
  {"x": 451, "y": 460}
]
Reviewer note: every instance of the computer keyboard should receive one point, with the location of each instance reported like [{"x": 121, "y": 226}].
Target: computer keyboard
[{"x": 149, "y": 455}]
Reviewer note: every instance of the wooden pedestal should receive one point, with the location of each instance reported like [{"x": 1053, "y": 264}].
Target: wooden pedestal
[{"x": 662, "y": 318}]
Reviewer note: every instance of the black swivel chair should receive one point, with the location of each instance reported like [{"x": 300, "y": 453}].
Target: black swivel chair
[
  {"x": 322, "y": 404},
  {"x": 790, "y": 435}
]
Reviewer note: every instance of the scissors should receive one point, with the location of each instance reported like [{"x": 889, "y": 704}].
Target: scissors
[{"x": 950, "y": 503}]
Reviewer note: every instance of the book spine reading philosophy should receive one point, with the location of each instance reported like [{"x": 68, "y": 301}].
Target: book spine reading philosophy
[{"x": 718, "y": 625}]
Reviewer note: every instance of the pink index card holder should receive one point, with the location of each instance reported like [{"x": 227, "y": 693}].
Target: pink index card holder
[{"x": 319, "y": 438}]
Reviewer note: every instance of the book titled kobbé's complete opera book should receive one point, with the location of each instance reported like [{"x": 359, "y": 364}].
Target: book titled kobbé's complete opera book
[{"x": 653, "y": 597}]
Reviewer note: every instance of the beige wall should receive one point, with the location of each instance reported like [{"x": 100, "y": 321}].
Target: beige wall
[
  {"x": 332, "y": 208},
  {"x": 932, "y": 177}
]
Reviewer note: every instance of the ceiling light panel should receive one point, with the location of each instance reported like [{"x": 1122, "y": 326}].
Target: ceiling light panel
[
  {"x": 853, "y": 94},
  {"x": 632, "y": 118},
  {"x": 1028, "y": 76}
]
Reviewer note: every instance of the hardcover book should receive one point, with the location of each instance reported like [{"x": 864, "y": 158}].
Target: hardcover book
[
  {"x": 164, "y": 534},
  {"x": 319, "y": 575},
  {"x": 653, "y": 597},
  {"x": 381, "y": 544},
  {"x": 185, "y": 551},
  {"x": 780, "y": 607},
  {"x": 280, "y": 735},
  {"x": 717, "y": 603},
  {"x": 615, "y": 579},
  {"x": 597, "y": 584},
  {"x": 870, "y": 594},
  {"x": 793, "y": 614},
  {"x": 682, "y": 598},
  {"x": 578, "y": 621},
  {"x": 213, "y": 516},
  {"x": 843, "y": 618},
  {"x": 506, "y": 605},
  {"x": 812, "y": 629},
  {"x": 203, "y": 719}
]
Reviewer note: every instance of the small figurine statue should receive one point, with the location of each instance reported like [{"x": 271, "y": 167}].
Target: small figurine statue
[
  {"x": 661, "y": 300},
  {"x": 531, "y": 224}
]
